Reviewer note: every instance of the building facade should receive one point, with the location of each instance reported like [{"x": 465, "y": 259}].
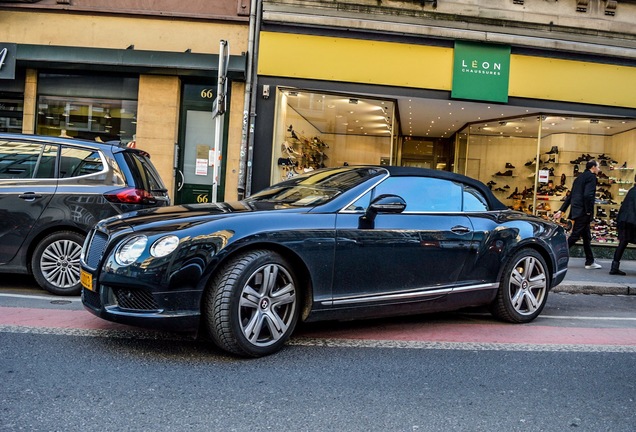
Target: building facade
[
  {"x": 490, "y": 89},
  {"x": 145, "y": 73}
]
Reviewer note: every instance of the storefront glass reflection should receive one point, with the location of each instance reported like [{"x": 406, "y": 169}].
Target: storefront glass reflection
[
  {"x": 315, "y": 130},
  {"x": 11, "y": 114},
  {"x": 94, "y": 119},
  {"x": 531, "y": 162},
  {"x": 92, "y": 107}
]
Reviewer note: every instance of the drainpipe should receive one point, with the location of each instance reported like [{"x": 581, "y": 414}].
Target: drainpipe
[{"x": 249, "y": 105}]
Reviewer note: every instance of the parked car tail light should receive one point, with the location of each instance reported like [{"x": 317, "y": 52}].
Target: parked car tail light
[{"x": 130, "y": 196}]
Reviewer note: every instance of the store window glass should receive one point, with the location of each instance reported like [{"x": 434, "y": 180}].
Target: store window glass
[
  {"x": 11, "y": 109},
  {"x": 89, "y": 107},
  {"x": 316, "y": 130},
  {"x": 530, "y": 162}
]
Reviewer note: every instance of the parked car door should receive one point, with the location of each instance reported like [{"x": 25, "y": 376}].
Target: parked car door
[
  {"x": 27, "y": 184},
  {"x": 420, "y": 249}
]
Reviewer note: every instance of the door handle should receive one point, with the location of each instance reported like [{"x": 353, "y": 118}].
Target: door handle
[
  {"x": 460, "y": 229},
  {"x": 29, "y": 196},
  {"x": 180, "y": 184}
]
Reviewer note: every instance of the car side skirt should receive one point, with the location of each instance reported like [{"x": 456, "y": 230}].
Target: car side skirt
[{"x": 411, "y": 295}]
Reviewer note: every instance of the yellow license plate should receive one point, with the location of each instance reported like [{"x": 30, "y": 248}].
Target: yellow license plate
[{"x": 87, "y": 280}]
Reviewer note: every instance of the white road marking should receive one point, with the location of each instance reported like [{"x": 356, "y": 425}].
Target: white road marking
[
  {"x": 38, "y": 297},
  {"x": 339, "y": 343},
  {"x": 588, "y": 318}
]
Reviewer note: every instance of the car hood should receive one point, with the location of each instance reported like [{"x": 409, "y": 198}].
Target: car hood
[{"x": 185, "y": 215}]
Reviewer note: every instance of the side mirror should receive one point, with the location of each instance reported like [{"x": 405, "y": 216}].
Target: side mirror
[{"x": 390, "y": 204}]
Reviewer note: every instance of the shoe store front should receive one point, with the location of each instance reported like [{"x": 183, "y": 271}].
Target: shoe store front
[
  {"x": 528, "y": 141},
  {"x": 530, "y": 162}
]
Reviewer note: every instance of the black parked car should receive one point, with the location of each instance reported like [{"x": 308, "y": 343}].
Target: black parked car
[
  {"x": 348, "y": 242},
  {"x": 52, "y": 192}
]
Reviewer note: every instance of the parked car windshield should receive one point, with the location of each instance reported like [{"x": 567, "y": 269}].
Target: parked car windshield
[{"x": 314, "y": 188}]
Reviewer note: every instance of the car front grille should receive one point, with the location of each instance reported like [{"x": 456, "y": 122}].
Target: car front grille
[
  {"x": 91, "y": 298},
  {"x": 135, "y": 299},
  {"x": 96, "y": 249}
]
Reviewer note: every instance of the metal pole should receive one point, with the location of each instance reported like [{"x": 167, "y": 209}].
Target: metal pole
[
  {"x": 219, "y": 115},
  {"x": 245, "y": 160},
  {"x": 252, "y": 116}
]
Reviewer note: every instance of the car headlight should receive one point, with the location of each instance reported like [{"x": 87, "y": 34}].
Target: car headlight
[
  {"x": 130, "y": 250},
  {"x": 164, "y": 246}
]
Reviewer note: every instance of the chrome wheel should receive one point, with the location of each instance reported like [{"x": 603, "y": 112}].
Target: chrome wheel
[
  {"x": 528, "y": 285},
  {"x": 55, "y": 262},
  {"x": 523, "y": 290},
  {"x": 60, "y": 265},
  {"x": 267, "y": 305},
  {"x": 252, "y": 303}
]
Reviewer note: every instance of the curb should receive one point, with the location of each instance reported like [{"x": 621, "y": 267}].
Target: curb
[{"x": 601, "y": 288}]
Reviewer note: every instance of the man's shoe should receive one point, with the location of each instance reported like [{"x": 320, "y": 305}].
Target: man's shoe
[
  {"x": 617, "y": 272},
  {"x": 592, "y": 266}
]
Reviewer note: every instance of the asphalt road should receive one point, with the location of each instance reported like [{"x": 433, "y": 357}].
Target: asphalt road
[{"x": 574, "y": 368}]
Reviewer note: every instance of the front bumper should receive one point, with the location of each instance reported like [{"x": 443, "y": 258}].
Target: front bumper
[{"x": 141, "y": 309}]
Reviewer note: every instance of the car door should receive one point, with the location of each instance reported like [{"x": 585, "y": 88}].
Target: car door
[
  {"x": 418, "y": 252},
  {"x": 27, "y": 184}
]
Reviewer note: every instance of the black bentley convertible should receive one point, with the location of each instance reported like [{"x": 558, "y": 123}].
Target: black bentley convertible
[{"x": 348, "y": 242}]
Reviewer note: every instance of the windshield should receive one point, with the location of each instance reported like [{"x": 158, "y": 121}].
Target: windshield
[{"x": 315, "y": 188}]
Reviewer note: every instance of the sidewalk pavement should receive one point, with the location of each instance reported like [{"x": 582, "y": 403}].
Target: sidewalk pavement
[{"x": 598, "y": 281}]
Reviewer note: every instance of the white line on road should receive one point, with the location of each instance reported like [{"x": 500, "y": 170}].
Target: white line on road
[
  {"x": 588, "y": 318},
  {"x": 339, "y": 343},
  {"x": 35, "y": 297}
]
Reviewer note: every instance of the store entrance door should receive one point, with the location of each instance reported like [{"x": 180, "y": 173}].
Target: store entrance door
[
  {"x": 195, "y": 170},
  {"x": 194, "y": 164}
]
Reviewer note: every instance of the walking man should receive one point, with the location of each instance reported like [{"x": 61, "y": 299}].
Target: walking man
[{"x": 582, "y": 201}]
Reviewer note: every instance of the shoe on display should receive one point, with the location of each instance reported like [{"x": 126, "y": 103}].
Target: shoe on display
[
  {"x": 509, "y": 165},
  {"x": 624, "y": 165},
  {"x": 593, "y": 266},
  {"x": 506, "y": 173},
  {"x": 553, "y": 150}
]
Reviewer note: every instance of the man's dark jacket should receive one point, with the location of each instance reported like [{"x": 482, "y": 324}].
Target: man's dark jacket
[
  {"x": 627, "y": 212},
  {"x": 582, "y": 196}
]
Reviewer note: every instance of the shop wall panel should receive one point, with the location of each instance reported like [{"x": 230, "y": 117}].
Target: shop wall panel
[
  {"x": 572, "y": 81},
  {"x": 157, "y": 116},
  {"x": 119, "y": 32},
  {"x": 354, "y": 60},
  {"x": 427, "y": 67},
  {"x": 234, "y": 137}
]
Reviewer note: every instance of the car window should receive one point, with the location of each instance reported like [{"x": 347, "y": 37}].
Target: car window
[
  {"x": 77, "y": 162},
  {"x": 474, "y": 201},
  {"x": 315, "y": 188},
  {"x": 27, "y": 160},
  {"x": 144, "y": 172},
  {"x": 422, "y": 194}
]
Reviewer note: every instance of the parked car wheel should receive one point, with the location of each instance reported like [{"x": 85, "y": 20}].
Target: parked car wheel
[
  {"x": 251, "y": 308},
  {"x": 55, "y": 263},
  {"x": 523, "y": 291}
]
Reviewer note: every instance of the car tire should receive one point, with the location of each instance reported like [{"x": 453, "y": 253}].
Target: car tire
[
  {"x": 252, "y": 304},
  {"x": 55, "y": 263},
  {"x": 523, "y": 291}
]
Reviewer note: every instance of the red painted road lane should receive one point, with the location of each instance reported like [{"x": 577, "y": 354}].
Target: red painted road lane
[
  {"x": 492, "y": 332},
  {"x": 52, "y": 318}
]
